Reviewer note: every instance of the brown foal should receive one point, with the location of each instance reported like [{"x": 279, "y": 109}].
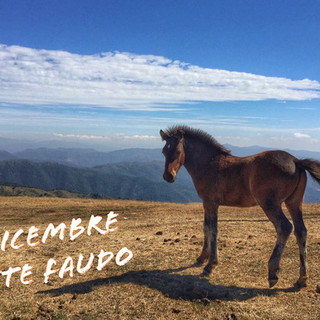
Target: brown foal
[{"x": 267, "y": 179}]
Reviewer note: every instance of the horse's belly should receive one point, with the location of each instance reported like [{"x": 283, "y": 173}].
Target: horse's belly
[{"x": 239, "y": 200}]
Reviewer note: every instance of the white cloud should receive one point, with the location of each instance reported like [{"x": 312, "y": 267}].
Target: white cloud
[
  {"x": 301, "y": 135},
  {"x": 80, "y": 136},
  {"x": 117, "y": 136},
  {"x": 125, "y": 80}
]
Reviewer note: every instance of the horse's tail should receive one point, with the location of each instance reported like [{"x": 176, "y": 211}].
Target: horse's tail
[{"x": 312, "y": 166}]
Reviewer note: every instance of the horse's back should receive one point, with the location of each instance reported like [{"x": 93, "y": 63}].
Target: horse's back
[{"x": 276, "y": 161}]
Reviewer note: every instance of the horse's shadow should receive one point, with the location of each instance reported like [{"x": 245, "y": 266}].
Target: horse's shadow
[{"x": 173, "y": 285}]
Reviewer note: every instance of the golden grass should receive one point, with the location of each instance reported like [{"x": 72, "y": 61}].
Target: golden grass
[{"x": 155, "y": 284}]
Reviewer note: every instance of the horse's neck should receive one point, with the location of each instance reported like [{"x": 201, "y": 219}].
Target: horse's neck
[{"x": 197, "y": 158}]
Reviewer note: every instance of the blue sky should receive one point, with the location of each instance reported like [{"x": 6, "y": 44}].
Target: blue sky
[{"x": 111, "y": 74}]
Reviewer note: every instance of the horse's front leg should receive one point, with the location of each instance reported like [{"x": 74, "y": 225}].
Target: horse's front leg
[
  {"x": 210, "y": 234},
  {"x": 204, "y": 253}
]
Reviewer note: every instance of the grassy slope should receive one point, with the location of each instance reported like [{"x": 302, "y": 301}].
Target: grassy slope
[
  {"x": 152, "y": 285},
  {"x": 14, "y": 191}
]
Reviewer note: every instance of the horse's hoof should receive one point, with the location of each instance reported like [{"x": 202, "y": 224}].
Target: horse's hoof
[
  {"x": 205, "y": 274},
  {"x": 273, "y": 282},
  {"x": 301, "y": 283},
  {"x": 198, "y": 263},
  {"x": 206, "y": 271}
]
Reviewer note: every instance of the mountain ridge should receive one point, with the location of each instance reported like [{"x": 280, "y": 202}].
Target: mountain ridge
[
  {"x": 107, "y": 174},
  {"x": 122, "y": 180},
  {"x": 78, "y": 157}
]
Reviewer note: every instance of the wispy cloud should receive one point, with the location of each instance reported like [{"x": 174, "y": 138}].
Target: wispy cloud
[
  {"x": 301, "y": 135},
  {"x": 117, "y": 136},
  {"x": 125, "y": 80},
  {"x": 302, "y": 108}
]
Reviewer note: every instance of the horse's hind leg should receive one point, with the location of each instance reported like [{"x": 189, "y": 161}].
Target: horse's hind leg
[
  {"x": 300, "y": 232},
  {"x": 283, "y": 228},
  {"x": 294, "y": 205}
]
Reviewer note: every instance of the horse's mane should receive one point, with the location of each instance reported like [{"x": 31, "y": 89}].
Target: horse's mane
[{"x": 204, "y": 137}]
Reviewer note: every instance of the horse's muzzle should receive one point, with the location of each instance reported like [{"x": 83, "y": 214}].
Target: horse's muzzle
[{"x": 169, "y": 177}]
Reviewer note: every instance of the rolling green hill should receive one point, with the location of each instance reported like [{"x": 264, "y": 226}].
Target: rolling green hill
[{"x": 16, "y": 191}]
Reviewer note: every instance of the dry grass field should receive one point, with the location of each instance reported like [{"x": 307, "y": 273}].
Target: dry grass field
[{"x": 157, "y": 283}]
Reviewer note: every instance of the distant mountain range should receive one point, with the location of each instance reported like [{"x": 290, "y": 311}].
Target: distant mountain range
[
  {"x": 84, "y": 157},
  {"x": 126, "y": 174},
  {"x": 134, "y": 180},
  {"x": 77, "y": 157},
  {"x": 4, "y": 155}
]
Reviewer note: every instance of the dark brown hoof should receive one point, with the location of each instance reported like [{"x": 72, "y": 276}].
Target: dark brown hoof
[
  {"x": 205, "y": 274},
  {"x": 273, "y": 281},
  {"x": 301, "y": 283},
  {"x": 198, "y": 263},
  {"x": 206, "y": 271}
]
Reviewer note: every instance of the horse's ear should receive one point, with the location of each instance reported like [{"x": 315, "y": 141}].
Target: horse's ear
[{"x": 163, "y": 135}]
